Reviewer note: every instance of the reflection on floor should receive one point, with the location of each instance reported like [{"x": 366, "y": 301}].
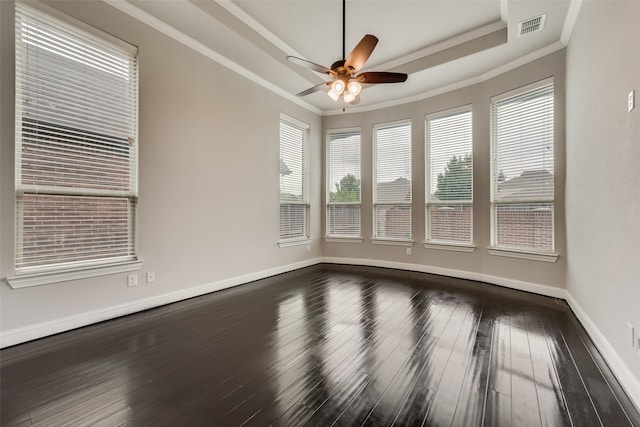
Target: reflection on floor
[{"x": 325, "y": 345}]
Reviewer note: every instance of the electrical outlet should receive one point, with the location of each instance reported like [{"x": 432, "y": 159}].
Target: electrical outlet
[
  {"x": 408, "y": 251},
  {"x": 631, "y": 101},
  {"x": 151, "y": 277},
  {"x": 132, "y": 280}
]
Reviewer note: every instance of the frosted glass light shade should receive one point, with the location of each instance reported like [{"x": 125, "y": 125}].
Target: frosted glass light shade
[
  {"x": 333, "y": 95},
  {"x": 354, "y": 88},
  {"x": 338, "y": 87}
]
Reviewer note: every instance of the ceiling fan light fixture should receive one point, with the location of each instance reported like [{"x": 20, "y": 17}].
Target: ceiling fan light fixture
[
  {"x": 333, "y": 95},
  {"x": 354, "y": 88},
  {"x": 343, "y": 72},
  {"x": 337, "y": 89},
  {"x": 338, "y": 86}
]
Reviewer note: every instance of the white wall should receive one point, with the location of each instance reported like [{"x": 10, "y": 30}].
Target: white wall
[
  {"x": 603, "y": 172},
  {"x": 209, "y": 181},
  {"x": 537, "y": 276}
]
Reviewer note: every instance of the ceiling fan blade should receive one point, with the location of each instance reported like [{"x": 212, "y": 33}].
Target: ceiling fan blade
[
  {"x": 361, "y": 53},
  {"x": 371, "y": 77},
  {"x": 310, "y": 65},
  {"x": 313, "y": 89}
]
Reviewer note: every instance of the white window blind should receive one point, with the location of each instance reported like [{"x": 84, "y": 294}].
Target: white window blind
[
  {"x": 392, "y": 190},
  {"x": 76, "y": 148},
  {"x": 449, "y": 176},
  {"x": 343, "y": 206},
  {"x": 522, "y": 169},
  {"x": 294, "y": 179}
]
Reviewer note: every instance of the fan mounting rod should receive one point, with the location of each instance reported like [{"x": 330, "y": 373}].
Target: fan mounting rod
[
  {"x": 346, "y": 82},
  {"x": 344, "y": 30}
]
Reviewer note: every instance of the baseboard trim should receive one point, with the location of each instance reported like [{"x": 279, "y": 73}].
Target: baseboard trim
[
  {"x": 520, "y": 285},
  {"x": 41, "y": 330},
  {"x": 625, "y": 377}
]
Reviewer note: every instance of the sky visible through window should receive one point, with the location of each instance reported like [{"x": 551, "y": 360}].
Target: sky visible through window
[
  {"x": 342, "y": 153},
  {"x": 528, "y": 146},
  {"x": 292, "y": 177},
  {"x": 393, "y": 157},
  {"x": 450, "y": 134},
  {"x": 49, "y": 39}
]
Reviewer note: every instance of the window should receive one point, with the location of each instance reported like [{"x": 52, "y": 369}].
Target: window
[
  {"x": 76, "y": 145},
  {"x": 343, "y": 199},
  {"x": 522, "y": 170},
  {"x": 294, "y": 179},
  {"x": 449, "y": 177},
  {"x": 392, "y": 177}
]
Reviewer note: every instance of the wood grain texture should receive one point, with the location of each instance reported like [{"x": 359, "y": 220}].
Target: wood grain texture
[{"x": 323, "y": 346}]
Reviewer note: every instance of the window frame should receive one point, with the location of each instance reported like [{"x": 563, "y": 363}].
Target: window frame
[
  {"x": 529, "y": 253},
  {"x": 396, "y": 241},
  {"x": 65, "y": 269},
  {"x": 306, "y": 237},
  {"x": 430, "y": 243},
  {"x": 349, "y": 238}
]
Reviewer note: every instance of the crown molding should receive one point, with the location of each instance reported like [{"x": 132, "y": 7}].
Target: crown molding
[
  {"x": 530, "y": 57},
  {"x": 166, "y": 29},
  {"x": 452, "y": 42},
  {"x": 504, "y": 10},
  {"x": 458, "y": 85},
  {"x": 177, "y": 35},
  {"x": 570, "y": 21},
  {"x": 257, "y": 27}
]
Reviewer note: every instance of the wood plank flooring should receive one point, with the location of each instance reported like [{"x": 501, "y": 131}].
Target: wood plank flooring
[{"x": 323, "y": 346}]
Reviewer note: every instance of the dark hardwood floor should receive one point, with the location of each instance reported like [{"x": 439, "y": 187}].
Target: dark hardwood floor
[{"x": 323, "y": 346}]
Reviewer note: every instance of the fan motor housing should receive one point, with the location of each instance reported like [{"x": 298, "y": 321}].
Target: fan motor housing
[{"x": 336, "y": 66}]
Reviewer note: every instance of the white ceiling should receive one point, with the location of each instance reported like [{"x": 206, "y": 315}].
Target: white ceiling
[{"x": 441, "y": 44}]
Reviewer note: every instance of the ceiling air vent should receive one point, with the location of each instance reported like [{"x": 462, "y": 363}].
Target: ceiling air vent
[{"x": 531, "y": 25}]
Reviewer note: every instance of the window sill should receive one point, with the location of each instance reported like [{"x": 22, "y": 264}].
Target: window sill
[
  {"x": 294, "y": 242},
  {"x": 392, "y": 242},
  {"x": 340, "y": 239},
  {"x": 530, "y": 255},
  {"x": 48, "y": 277},
  {"x": 457, "y": 247}
]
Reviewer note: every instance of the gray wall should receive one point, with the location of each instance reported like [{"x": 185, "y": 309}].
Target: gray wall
[
  {"x": 209, "y": 163},
  {"x": 603, "y": 170},
  {"x": 209, "y": 177},
  {"x": 496, "y": 269}
]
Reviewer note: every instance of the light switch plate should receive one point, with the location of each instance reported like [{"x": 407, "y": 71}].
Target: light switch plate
[{"x": 631, "y": 100}]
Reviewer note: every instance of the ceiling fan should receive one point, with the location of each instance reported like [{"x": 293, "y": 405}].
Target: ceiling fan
[{"x": 345, "y": 80}]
